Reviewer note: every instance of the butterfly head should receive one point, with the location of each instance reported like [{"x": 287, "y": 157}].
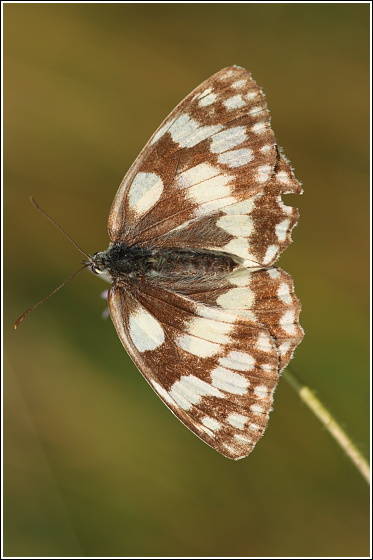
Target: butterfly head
[{"x": 99, "y": 265}]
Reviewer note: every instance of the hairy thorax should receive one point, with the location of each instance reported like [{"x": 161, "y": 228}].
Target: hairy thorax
[{"x": 121, "y": 261}]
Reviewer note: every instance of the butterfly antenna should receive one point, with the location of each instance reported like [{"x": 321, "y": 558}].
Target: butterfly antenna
[
  {"x": 22, "y": 317},
  {"x": 57, "y": 225}
]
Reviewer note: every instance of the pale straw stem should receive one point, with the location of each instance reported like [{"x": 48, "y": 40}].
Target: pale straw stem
[{"x": 326, "y": 418}]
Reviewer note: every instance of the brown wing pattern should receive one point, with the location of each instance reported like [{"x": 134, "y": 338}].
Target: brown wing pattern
[
  {"x": 210, "y": 355},
  {"x": 256, "y": 227},
  {"x": 218, "y": 135},
  {"x": 211, "y": 177},
  {"x": 268, "y": 294}
]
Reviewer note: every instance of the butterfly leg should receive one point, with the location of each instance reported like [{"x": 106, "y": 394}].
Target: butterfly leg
[{"x": 105, "y": 314}]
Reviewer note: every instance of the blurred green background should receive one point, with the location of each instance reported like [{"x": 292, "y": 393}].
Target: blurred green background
[{"x": 95, "y": 465}]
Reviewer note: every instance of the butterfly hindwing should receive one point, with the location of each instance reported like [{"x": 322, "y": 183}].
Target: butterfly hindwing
[
  {"x": 216, "y": 369},
  {"x": 268, "y": 296}
]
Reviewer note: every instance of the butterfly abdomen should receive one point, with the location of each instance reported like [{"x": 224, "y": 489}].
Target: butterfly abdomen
[{"x": 133, "y": 261}]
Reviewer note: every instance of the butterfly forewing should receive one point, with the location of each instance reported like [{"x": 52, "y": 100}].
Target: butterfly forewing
[
  {"x": 211, "y": 179},
  {"x": 216, "y": 139}
]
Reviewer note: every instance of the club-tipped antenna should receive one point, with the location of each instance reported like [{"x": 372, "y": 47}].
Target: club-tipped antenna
[
  {"x": 57, "y": 225},
  {"x": 22, "y": 317}
]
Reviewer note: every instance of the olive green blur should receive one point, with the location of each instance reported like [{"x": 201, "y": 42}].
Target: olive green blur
[{"x": 95, "y": 464}]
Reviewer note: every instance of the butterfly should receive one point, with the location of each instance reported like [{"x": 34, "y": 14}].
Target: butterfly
[{"x": 195, "y": 229}]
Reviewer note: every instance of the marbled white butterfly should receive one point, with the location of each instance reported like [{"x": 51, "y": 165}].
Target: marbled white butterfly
[{"x": 195, "y": 229}]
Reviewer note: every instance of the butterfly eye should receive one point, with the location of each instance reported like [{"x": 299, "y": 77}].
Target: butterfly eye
[{"x": 95, "y": 269}]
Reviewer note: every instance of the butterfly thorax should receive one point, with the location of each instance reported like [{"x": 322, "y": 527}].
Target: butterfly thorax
[{"x": 123, "y": 261}]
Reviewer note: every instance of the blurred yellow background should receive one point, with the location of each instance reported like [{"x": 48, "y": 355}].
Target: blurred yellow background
[{"x": 95, "y": 464}]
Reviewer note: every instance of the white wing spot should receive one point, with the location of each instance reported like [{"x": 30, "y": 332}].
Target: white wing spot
[
  {"x": 237, "y": 298},
  {"x": 251, "y": 95},
  {"x": 234, "y": 102},
  {"x": 145, "y": 331},
  {"x": 144, "y": 192},
  {"x": 208, "y": 100},
  {"x": 282, "y": 229},
  {"x": 287, "y": 322},
  {"x": 189, "y": 390},
  {"x": 254, "y": 427},
  {"x": 198, "y": 346},
  {"x": 255, "y": 110},
  {"x": 238, "y": 246},
  {"x": 162, "y": 392},
  {"x": 283, "y": 177},
  {"x": 263, "y": 173},
  {"x": 204, "y": 429},
  {"x": 211, "y": 190},
  {"x": 264, "y": 343},
  {"x": 238, "y": 84},
  {"x": 242, "y": 438},
  {"x": 238, "y": 226},
  {"x": 244, "y": 206},
  {"x": 205, "y": 183},
  {"x": 227, "y": 139},
  {"x": 227, "y": 74},
  {"x": 286, "y": 209},
  {"x": 223, "y": 315},
  {"x": 251, "y": 262},
  {"x": 256, "y": 409},
  {"x": 237, "y": 420},
  {"x": 259, "y": 127},
  {"x": 266, "y": 148},
  {"x": 236, "y": 158},
  {"x": 160, "y": 132},
  {"x": 213, "y": 313},
  {"x": 284, "y": 348},
  {"x": 240, "y": 277},
  {"x": 270, "y": 254},
  {"x": 229, "y": 381},
  {"x": 274, "y": 273},
  {"x": 267, "y": 367},
  {"x": 211, "y": 423},
  {"x": 231, "y": 449},
  {"x": 188, "y": 132},
  {"x": 197, "y": 174},
  {"x": 240, "y": 361},
  {"x": 204, "y": 92},
  {"x": 209, "y": 329},
  {"x": 283, "y": 293},
  {"x": 261, "y": 391},
  {"x": 211, "y": 206}
]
